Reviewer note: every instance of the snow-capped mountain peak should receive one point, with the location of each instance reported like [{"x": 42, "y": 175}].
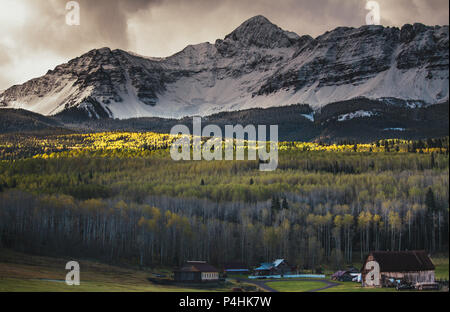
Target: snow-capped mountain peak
[
  {"x": 258, "y": 31},
  {"x": 256, "y": 65}
]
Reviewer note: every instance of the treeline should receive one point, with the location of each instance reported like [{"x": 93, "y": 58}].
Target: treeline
[
  {"x": 309, "y": 228},
  {"x": 136, "y": 178},
  {"x": 119, "y": 197},
  {"x": 131, "y": 144}
]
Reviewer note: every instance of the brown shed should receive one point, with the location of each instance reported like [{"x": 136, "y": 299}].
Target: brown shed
[
  {"x": 410, "y": 266},
  {"x": 196, "y": 271}
]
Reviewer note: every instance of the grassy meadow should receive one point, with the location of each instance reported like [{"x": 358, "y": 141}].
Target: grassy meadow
[{"x": 29, "y": 273}]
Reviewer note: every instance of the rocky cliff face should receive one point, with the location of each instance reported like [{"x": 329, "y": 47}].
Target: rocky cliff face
[{"x": 257, "y": 65}]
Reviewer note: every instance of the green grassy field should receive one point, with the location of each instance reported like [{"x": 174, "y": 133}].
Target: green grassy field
[
  {"x": 27, "y": 273},
  {"x": 30, "y": 285},
  {"x": 441, "y": 265},
  {"x": 356, "y": 287},
  {"x": 296, "y": 286}
]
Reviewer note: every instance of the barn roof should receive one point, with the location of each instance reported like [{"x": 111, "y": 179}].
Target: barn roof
[
  {"x": 277, "y": 262},
  {"x": 265, "y": 266},
  {"x": 197, "y": 266},
  {"x": 269, "y": 265},
  {"x": 403, "y": 261}
]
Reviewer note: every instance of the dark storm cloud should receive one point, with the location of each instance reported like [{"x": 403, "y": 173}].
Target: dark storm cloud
[
  {"x": 102, "y": 22},
  {"x": 108, "y": 18},
  {"x": 34, "y": 36}
]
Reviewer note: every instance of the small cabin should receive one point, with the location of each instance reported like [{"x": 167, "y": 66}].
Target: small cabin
[
  {"x": 196, "y": 272},
  {"x": 413, "y": 267}
]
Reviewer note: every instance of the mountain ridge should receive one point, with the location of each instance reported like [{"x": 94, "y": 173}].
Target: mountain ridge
[
  {"x": 359, "y": 120},
  {"x": 256, "y": 65}
]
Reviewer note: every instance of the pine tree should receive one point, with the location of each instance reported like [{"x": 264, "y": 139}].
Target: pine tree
[
  {"x": 275, "y": 204},
  {"x": 431, "y": 210},
  {"x": 429, "y": 200},
  {"x": 285, "y": 204}
]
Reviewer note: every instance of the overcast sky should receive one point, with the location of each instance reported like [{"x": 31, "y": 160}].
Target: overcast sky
[{"x": 34, "y": 36}]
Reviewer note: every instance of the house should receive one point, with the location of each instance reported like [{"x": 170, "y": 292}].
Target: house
[
  {"x": 277, "y": 267},
  {"x": 196, "y": 271},
  {"x": 235, "y": 268},
  {"x": 414, "y": 267}
]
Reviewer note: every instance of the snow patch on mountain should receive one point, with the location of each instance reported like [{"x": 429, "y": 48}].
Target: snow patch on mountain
[
  {"x": 394, "y": 129},
  {"x": 357, "y": 114},
  {"x": 310, "y": 116}
]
